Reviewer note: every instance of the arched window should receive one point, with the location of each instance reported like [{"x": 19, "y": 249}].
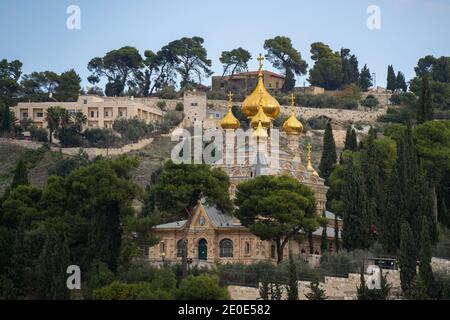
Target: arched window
[
  {"x": 162, "y": 247},
  {"x": 180, "y": 248},
  {"x": 247, "y": 248},
  {"x": 226, "y": 248},
  {"x": 273, "y": 253}
]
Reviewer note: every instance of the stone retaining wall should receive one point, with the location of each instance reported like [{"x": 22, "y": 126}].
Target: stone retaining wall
[
  {"x": 336, "y": 288},
  {"x": 91, "y": 152},
  {"x": 339, "y": 288}
]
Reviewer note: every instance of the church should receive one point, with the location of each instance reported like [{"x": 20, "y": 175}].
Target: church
[{"x": 215, "y": 237}]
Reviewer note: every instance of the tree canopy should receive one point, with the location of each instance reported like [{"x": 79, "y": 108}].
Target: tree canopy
[
  {"x": 276, "y": 208},
  {"x": 283, "y": 56}
]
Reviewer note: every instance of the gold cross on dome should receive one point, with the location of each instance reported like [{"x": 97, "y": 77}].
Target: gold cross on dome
[
  {"x": 230, "y": 96},
  {"x": 292, "y": 102},
  {"x": 260, "y": 60},
  {"x": 230, "y": 99}
]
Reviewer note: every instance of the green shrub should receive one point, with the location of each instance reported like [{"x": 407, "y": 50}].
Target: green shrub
[
  {"x": 317, "y": 123},
  {"x": 120, "y": 291},
  {"x": 39, "y": 134},
  {"x": 101, "y": 138},
  {"x": 162, "y": 105},
  {"x": 203, "y": 287},
  {"x": 168, "y": 92},
  {"x": 370, "y": 101},
  {"x": 138, "y": 271},
  {"x": 342, "y": 263},
  {"x": 132, "y": 130},
  {"x": 179, "y": 106}
]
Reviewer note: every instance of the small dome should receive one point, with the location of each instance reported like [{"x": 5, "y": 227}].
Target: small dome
[
  {"x": 292, "y": 125},
  {"x": 260, "y": 131},
  {"x": 260, "y": 117},
  {"x": 230, "y": 122},
  {"x": 250, "y": 106}
]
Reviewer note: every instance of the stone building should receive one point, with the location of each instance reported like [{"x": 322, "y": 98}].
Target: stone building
[
  {"x": 245, "y": 82},
  {"x": 214, "y": 236},
  {"x": 100, "y": 112}
]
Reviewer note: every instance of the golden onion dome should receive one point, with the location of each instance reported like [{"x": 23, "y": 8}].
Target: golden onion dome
[
  {"x": 250, "y": 105},
  {"x": 292, "y": 125},
  {"x": 260, "y": 117},
  {"x": 229, "y": 122}
]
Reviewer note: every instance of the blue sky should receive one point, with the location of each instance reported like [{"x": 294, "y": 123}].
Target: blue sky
[{"x": 35, "y": 32}]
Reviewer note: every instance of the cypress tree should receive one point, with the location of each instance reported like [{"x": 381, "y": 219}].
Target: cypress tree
[
  {"x": 20, "y": 175},
  {"x": 365, "y": 79},
  {"x": 425, "y": 104},
  {"x": 407, "y": 258},
  {"x": 324, "y": 237},
  {"x": 329, "y": 155},
  {"x": 347, "y": 138},
  {"x": 400, "y": 82},
  {"x": 51, "y": 266},
  {"x": 425, "y": 271},
  {"x": 391, "y": 217},
  {"x": 356, "y": 230},
  {"x": 316, "y": 292},
  {"x": 350, "y": 140},
  {"x": 292, "y": 287},
  {"x": 391, "y": 79},
  {"x": 336, "y": 233},
  {"x": 444, "y": 214},
  {"x": 370, "y": 172},
  {"x": 6, "y": 119}
]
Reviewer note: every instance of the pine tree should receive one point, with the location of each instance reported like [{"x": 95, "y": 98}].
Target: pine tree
[
  {"x": 329, "y": 155},
  {"x": 316, "y": 292},
  {"x": 20, "y": 175},
  {"x": 425, "y": 103},
  {"x": 356, "y": 230},
  {"x": 391, "y": 79},
  {"x": 408, "y": 257},
  {"x": 401, "y": 82},
  {"x": 292, "y": 287},
  {"x": 425, "y": 271}
]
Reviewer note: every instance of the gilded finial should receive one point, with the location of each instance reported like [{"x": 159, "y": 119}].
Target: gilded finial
[
  {"x": 292, "y": 102},
  {"x": 260, "y": 60},
  {"x": 309, "y": 166},
  {"x": 230, "y": 99},
  {"x": 309, "y": 147}
]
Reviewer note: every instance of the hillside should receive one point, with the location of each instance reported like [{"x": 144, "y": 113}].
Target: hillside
[
  {"x": 42, "y": 161},
  {"x": 39, "y": 163}
]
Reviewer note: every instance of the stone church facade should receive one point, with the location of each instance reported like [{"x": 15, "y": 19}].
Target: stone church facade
[{"x": 217, "y": 237}]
